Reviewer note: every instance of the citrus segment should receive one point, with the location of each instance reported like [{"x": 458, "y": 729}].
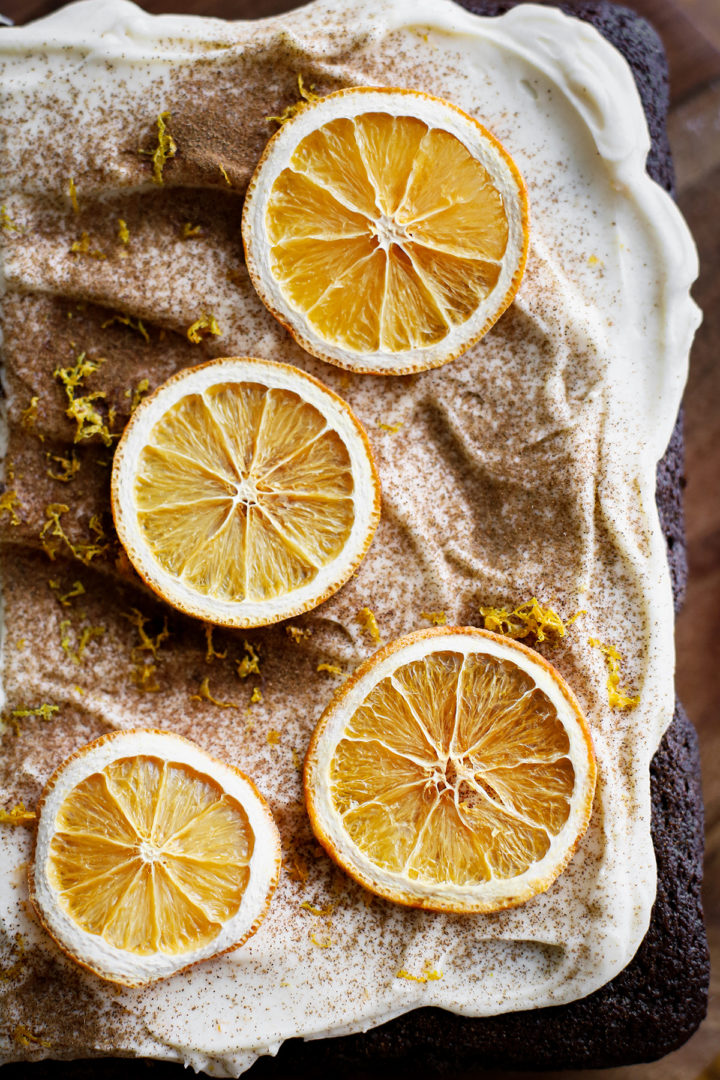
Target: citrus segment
[
  {"x": 244, "y": 491},
  {"x": 386, "y": 229},
  {"x": 454, "y": 771},
  {"x": 150, "y": 856}
]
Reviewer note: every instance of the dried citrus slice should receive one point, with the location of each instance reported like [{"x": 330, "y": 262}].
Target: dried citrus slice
[
  {"x": 454, "y": 771},
  {"x": 150, "y": 856},
  {"x": 244, "y": 491},
  {"x": 386, "y": 229}
]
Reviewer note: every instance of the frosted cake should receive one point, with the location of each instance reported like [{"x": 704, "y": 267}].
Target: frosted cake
[{"x": 525, "y": 468}]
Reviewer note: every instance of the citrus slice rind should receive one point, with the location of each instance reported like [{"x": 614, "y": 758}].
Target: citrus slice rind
[
  {"x": 244, "y": 491},
  {"x": 434, "y": 782},
  {"x": 86, "y": 849},
  {"x": 432, "y": 275}
]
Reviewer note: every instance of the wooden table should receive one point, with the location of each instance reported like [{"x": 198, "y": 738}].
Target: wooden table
[{"x": 691, "y": 32}]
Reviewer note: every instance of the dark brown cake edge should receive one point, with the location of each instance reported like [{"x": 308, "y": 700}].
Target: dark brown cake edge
[{"x": 660, "y": 998}]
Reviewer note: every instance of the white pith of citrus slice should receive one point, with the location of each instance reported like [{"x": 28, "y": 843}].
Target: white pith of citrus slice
[
  {"x": 151, "y": 856},
  {"x": 386, "y": 229},
  {"x": 453, "y": 771},
  {"x": 244, "y": 491}
]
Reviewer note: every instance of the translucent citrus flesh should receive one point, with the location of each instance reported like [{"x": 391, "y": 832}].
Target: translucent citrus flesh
[
  {"x": 385, "y": 233},
  {"x": 454, "y": 770},
  {"x": 243, "y": 492},
  {"x": 150, "y": 855}
]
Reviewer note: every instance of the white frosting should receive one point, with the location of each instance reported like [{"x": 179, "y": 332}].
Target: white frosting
[{"x": 597, "y": 382}]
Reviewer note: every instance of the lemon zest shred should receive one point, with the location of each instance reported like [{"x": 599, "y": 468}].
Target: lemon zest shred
[
  {"x": 226, "y": 178},
  {"x": 20, "y": 644},
  {"x": 204, "y": 694},
  {"x": 143, "y": 674},
  {"x": 138, "y": 394},
  {"x": 24, "y": 1036},
  {"x": 392, "y": 428},
  {"x": 72, "y": 192},
  {"x": 306, "y": 97},
  {"x": 69, "y": 466},
  {"x": 367, "y": 619},
  {"x": 203, "y": 327},
  {"x": 211, "y": 652},
  {"x": 123, "y": 232},
  {"x": 428, "y": 976},
  {"x": 437, "y": 618},
  {"x": 82, "y": 247},
  {"x": 85, "y": 552},
  {"x": 617, "y": 697},
  {"x": 165, "y": 150},
  {"x": 28, "y": 416},
  {"x": 298, "y": 871},
  {"x": 76, "y": 589},
  {"x": 332, "y": 669},
  {"x": 273, "y": 737},
  {"x": 255, "y": 699},
  {"x": 297, "y": 633},
  {"x": 296, "y": 760},
  {"x": 81, "y": 409},
  {"x": 6, "y": 222},
  {"x": 86, "y": 636},
  {"x": 528, "y": 620},
  {"x": 189, "y": 230},
  {"x": 322, "y": 944},
  {"x": 10, "y": 504},
  {"x": 147, "y": 643},
  {"x": 327, "y": 910},
  {"x": 44, "y": 711},
  {"x": 250, "y": 663},
  {"x": 17, "y": 815},
  {"x": 126, "y": 320}
]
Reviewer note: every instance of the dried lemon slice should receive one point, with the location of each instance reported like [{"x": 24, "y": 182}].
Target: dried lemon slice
[
  {"x": 244, "y": 491},
  {"x": 150, "y": 856},
  {"x": 454, "y": 771},
  {"x": 386, "y": 229}
]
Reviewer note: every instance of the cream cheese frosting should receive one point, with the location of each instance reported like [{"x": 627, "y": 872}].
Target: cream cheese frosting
[{"x": 524, "y": 468}]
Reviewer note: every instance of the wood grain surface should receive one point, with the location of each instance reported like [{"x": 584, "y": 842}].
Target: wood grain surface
[{"x": 691, "y": 33}]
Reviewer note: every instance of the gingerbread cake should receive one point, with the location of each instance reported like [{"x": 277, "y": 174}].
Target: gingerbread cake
[{"x": 525, "y": 468}]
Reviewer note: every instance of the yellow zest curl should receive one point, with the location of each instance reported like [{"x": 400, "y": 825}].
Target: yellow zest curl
[
  {"x": 203, "y": 327},
  {"x": 81, "y": 409},
  {"x": 204, "y": 694},
  {"x": 17, "y": 815},
  {"x": 332, "y": 669},
  {"x": 85, "y": 553},
  {"x": 72, "y": 192},
  {"x": 10, "y": 504},
  {"x": 69, "y": 467},
  {"x": 133, "y": 324},
  {"x": 527, "y": 620},
  {"x": 123, "y": 232},
  {"x": 250, "y": 663},
  {"x": 437, "y": 618},
  {"x": 367, "y": 619},
  {"x": 617, "y": 697},
  {"x": 292, "y": 110},
  {"x": 166, "y": 148}
]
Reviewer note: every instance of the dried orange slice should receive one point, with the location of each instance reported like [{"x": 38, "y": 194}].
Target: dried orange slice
[
  {"x": 454, "y": 771},
  {"x": 150, "y": 856},
  {"x": 244, "y": 491},
  {"x": 386, "y": 229}
]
